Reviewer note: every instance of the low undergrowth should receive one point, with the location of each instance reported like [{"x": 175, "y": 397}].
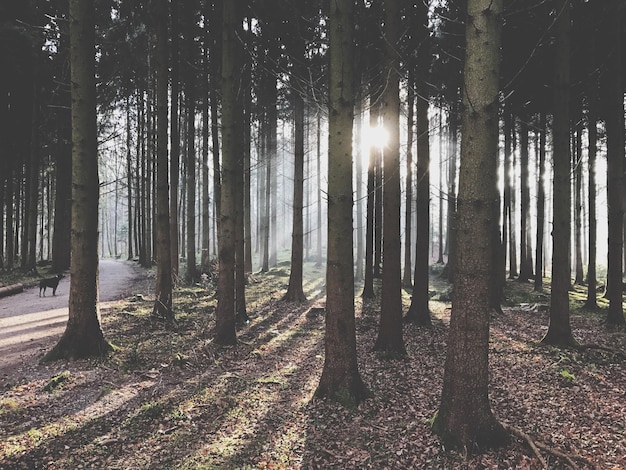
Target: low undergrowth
[{"x": 172, "y": 399}]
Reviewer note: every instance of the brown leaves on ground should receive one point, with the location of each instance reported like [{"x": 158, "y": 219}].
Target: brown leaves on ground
[{"x": 171, "y": 399}]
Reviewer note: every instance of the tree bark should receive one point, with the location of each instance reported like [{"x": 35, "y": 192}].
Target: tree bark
[
  {"x": 295, "y": 293},
  {"x": 465, "y": 419},
  {"x": 174, "y": 140},
  {"x": 163, "y": 290},
  {"x": 191, "y": 275},
  {"x": 83, "y": 336},
  {"x": 559, "y": 330},
  {"x": 389, "y": 338},
  {"x": 340, "y": 380},
  {"x": 407, "y": 275},
  {"x": 231, "y": 129},
  {"x": 615, "y": 170},
  {"x": 541, "y": 204}
]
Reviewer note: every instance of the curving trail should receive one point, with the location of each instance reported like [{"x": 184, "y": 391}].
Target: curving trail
[{"x": 30, "y": 324}]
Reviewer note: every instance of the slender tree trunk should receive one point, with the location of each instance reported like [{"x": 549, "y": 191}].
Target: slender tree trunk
[
  {"x": 578, "y": 189},
  {"x": 129, "y": 182},
  {"x": 406, "y": 278},
  {"x": 615, "y": 171},
  {"x": 247, "y": 167},
  {"x": 318, "y": 176},
  {"x": 163, "y": 290},
  {"x": 30, "y": 255},
  {"x": 559, "y": 330},
  {"x": 295, "y": 293},
  {"x": 419, "y": 311},
  {"x": 389, "y": 338},
  {"x": 205, "y": 258},
  {"x": 368, "y": 285},
  {"x": 541, "y": 204},
  {"x": 440, "y": 184},
  {"x": 358, "y": 159},
  {"x": 526, "y": 266},
  {"x": 592, "y": 133},
  {"x": 174, "y": 141},
  {"x": 449, "y": 269},
  {"x": 191, "y": 275}
]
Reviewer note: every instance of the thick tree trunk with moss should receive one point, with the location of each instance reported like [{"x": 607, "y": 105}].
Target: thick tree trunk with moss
[
  {"x": 340, "y": 378},
  {"x": 464, "y": 419},
  {"x": 231, "y": 135},
  {"x": 559, "y": 330},
  {"x": 83, "y": 336},
  {"x": 163, "y": 290}
]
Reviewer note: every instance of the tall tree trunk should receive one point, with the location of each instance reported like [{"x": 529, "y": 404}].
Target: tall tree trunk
[
  {"x": 262, "y": 196},
  {"x": 419, "y": 311},
  {"x": 577, "y": 118},
  {"x": 247, "y": 167},
  {"x": 465, "y": 419},
  {"x": 615, "y": 170},
  {"x": 407, "y": 277},
  {"x": 318, "y": 176},
  {"x": 62, "y": 199},
  {"x": 592, "y": 135},
  {"x": 163, "y": 289},
  {"x": 174, "y": 141},
  {"x": 9, "y": 216},
  {"x": 541, "y": 204},
  {"x": 129, "y": 182},
  {"x": 559, "y": 330},
  {"x": 231, "y": 135},
  {"x": 368, "y": 284},
  {"x": 83, "y": 336},
  {"x": 215, "y": 30},
  {"x": 191, "y": 275},
  {"x": 358, "y": 157},
  {"x": 295, "y": 293},
  {"x": 205, "y": 257},
  {"x": 30, "y": 255},
  {"x": 526, "y": 260},
  {"x": 340, "y": 378},
  {"x": 440, "y": 184},
  {"x": 389, "y": 338},
  {"x": 449, "y": 269}
]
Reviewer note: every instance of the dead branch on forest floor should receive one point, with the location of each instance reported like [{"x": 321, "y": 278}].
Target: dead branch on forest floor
[{"x": 536, "y": 445}]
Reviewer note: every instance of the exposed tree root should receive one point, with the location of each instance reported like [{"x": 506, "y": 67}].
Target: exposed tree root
[
  {"x": 531, "y": 443},
  {"x": 536, "y": 445}
]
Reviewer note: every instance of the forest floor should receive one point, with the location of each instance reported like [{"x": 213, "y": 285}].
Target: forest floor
[{"x": 172, "y": 399}]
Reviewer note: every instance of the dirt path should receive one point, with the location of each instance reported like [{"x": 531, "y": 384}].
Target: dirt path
[{"x": 30, "y": 324}]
